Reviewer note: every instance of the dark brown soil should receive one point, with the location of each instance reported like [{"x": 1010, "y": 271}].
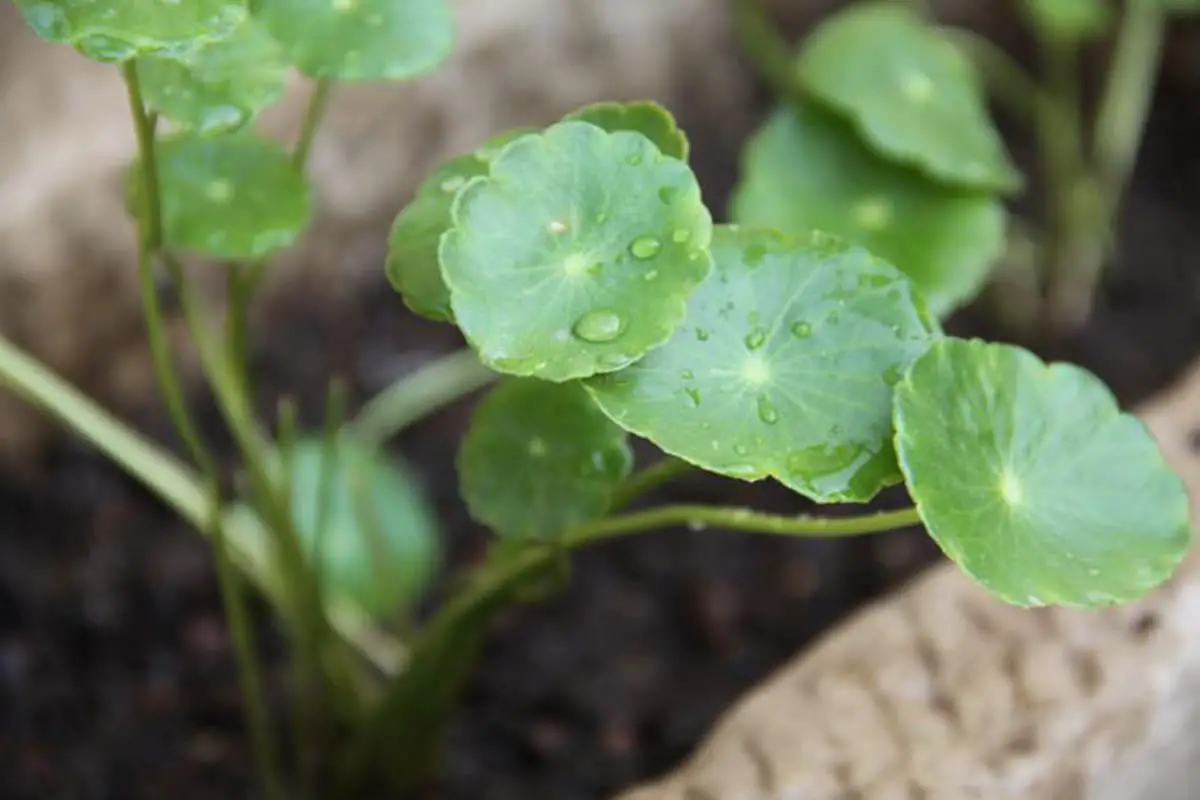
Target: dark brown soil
[{"x": 116, "y": 679}]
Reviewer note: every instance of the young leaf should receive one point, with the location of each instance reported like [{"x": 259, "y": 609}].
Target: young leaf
[
  {"x": 412, "y": 264},
  {"x": 236, "y": 196},
  {"x": 784, "y": 368},
  {"x": 218, "y": 86},
  {"x": 804, "y": 170},
  {"x": 576, "y": 254},
  {"x": 379, "y": 543},
  {"x": 914, "y": 99},
  {"x": 119, "y": 31},
  {"x": 539, "y": 458},
  {"x": 1070, "y": 20},
  {"x": 361, "y": 40},
  {"x": 647, "y": 118},
  {"x": 1033, "y": 481}
]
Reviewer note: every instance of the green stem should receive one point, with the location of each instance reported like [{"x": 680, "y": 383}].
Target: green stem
[
  {"x": 167, "y": 477},
  {"x": 1009, "y": 82},
  {"x": 649, "y": 479},
  {"x": 419, "y": 394},
  {"x": 178, "y": 486},
  {"x": 1127, "y": 98},
  {"x": 241, "y": 631},
  {"x": 312, "y": 121},
  {"x": 1075, "y": 247},
  {"x": 415, "y": 703},
  {"x": 768, "y": 52},
  {"x": 149, "y": 240},
  {"x": 240, "y": 292}
]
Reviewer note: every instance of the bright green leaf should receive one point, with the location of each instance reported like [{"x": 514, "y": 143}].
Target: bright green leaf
[
  {"x": 1033, "y": 481},
  {"x": 645, "y": 117},
  {"x": 361, "y": 40},
  {"x": 913, "y": 97},
  {"x": 1070, "y": 19},
  {"x": 576, "y": 254},
  {"x": 236, "y": 196},
  {"x": 365, "y": 522},
  {"x": 218, "y": 86},
  {"x": 540, "y": 458},
  {"x": 120, "y": 30},
  {"x": 784, "y": 367},
  {"x": 804, "y": 170},
  {"x": 412, "y": 264}
]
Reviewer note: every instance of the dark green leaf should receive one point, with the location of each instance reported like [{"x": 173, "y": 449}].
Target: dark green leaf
[
  {"x": 913, "y": 97},
  {"x": 784, "y": 368},
  {"x": 1033, "y": 481},
  {"x": 576, "y": 254},
  {"x": 379, "y": 546},
  {"x": 1069, "y": 19},
  {"x": 412, "y": 265},
  {"x": 118, "y": 30},
  {"x": 804, "y": 170},
  {"x": 644, "y": 117},
  {"x": 236, "y": 196},
  {"x": 361, "y": 40},
  {"x": 540, "y": 458},
  {"x": 218, "y": 86}
]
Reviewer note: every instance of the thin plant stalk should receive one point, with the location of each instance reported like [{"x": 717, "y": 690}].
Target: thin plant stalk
[
  {"x": 418, "y": 395},
  {"x": 258, "y": 718},
  {"x": 647, "y": 480},
  {"x": 149, "y": 240}
]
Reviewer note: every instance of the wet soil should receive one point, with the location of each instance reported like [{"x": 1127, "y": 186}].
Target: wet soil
[{"x": 116, "y": 677}]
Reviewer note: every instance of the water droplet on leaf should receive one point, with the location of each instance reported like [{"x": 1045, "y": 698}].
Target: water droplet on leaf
[
  {"x": 666, "y": 194},
  {"x": 645, "y": 247},
  {"x": 701, "y": 335},
  {"x": 756, "y": 339},
  {"x": 599, "y": 326},
  {"x": 681, "y": 235},
  {"x": 766, "y": 411},
  {"x": 801, "y": 330},
  {"x": 693, "y": 397}
]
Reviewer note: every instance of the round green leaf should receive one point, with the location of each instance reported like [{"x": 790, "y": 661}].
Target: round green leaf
[
  {"x": 236, "y": 196},
  {"x": 540, "y": 458},
  {"x": 218, "y": 86},
  {"x": 119, "y": 31},
  {"x": 913, "y": 97},
  {"x": 1033, "y": 481},
  {"x": 366, "y": 524},
  {"x": 804, "y": 170},
  {"x": 784, "y": 368},
  {"x": 1069, "y": 19},
  {"x": 645, "y": 117},
  {"x": 412, "y": 264},
  {"x": 361, "y": 40},
  {"x": 576, "y": 254}
]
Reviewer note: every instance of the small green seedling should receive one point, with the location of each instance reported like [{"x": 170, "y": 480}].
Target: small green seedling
[{"x": 801, "y": 343}]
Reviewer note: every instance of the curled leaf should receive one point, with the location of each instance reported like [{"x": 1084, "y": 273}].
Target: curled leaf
[{"x": 911, "y": 96}]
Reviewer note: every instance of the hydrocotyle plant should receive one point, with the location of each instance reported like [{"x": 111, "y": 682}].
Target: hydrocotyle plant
[{"x": 585, "y": 271}]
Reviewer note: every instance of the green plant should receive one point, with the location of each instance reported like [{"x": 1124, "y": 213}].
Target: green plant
[
  {"x": 884, "y": 137},
  {"x": 583, "y": 267}
]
